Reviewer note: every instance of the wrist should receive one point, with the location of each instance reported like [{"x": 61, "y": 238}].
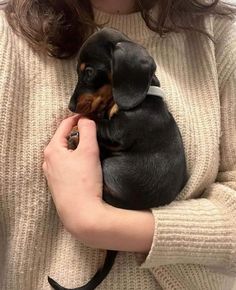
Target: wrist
[
  {"x": 82, "y": 219},
  {"x": 130, "y": 230},
  {"x": 119, "y": 229},
  {"x": 100, "y": 225}
]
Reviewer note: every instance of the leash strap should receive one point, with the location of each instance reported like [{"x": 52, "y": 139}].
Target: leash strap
[{"x": 156, "y": 91}]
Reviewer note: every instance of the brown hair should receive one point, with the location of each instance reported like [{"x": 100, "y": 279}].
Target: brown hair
[{"x": 60, "y": 26}]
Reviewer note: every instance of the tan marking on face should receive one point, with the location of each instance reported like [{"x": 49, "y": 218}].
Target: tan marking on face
[
  {"x": 84, "y": 104},
  {"x": 82, "y": 66},
  {"x": 100, "y": 101},
  {"x": 113, "y": 110},
  {"x": 106, "y": 93},
  {"x": 96, "y": 102}
]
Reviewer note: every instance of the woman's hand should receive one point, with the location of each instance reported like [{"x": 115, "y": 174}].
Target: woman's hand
[
  {"x": 75, "y": 180},
  {"x": 75, "y": 177}
]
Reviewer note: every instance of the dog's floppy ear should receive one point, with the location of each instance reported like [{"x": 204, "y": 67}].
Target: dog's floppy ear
[{"x": 132, "y": 72}]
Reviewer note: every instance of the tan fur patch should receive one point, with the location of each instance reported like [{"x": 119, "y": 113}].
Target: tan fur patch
[
  {"x": 82, "y": 66},
  {"x": 105, "y": 92},
  {"x": 114, "y": 109},
  {"x": 84, "y": 104},
  {"x": 96, "y": 102}
]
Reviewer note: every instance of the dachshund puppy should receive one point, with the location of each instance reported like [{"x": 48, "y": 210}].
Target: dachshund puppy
[{"x": 142, "y": 153}]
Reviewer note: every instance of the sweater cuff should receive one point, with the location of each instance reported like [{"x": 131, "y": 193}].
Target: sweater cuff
[{"x": 190, "y": 232}]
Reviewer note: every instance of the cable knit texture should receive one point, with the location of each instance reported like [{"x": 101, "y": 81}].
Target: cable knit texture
[{"x": 194, "y": 245}]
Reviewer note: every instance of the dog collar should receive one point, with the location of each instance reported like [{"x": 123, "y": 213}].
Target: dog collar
[{"x": 156, "y": 91}]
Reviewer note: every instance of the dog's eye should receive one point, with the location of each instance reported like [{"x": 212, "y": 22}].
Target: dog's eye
[{"x": 89, "y": 74}]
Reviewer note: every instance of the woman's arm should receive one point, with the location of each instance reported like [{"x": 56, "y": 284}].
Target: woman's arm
[
  {"x": 203, "y": 231},
  {"x": 75, "y": 180}
]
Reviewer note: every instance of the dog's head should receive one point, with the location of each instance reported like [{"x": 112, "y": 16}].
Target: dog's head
[{"x": 112, "y": 71}]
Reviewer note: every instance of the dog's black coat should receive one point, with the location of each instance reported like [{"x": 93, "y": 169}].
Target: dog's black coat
[{"x": 146, "y": 167}]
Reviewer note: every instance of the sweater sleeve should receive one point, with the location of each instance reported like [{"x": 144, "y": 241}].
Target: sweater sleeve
[{"x": 203, "y": 231}]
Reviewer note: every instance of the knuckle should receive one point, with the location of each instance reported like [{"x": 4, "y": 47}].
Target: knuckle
[
  {"x": 88, "y": 123},
  {"x": 91, "y": 150},
  {"x": 64, "y": 121}
]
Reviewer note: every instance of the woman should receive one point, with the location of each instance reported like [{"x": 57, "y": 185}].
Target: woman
[{"x": 189, "y": 244}]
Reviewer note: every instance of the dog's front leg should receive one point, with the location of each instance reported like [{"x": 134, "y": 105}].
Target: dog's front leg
[
  {"x": 110, "y": 136},
  {"x": 73, "y": 139}
]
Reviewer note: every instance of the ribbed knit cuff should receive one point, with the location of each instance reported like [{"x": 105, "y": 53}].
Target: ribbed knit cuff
[{"x": 191, "y": 232}]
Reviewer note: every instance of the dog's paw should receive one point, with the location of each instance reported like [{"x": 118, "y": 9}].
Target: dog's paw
[{"x": 73, "y": 139}]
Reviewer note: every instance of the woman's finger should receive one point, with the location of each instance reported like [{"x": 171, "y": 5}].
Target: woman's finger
[
  {"x": 87, "y": 135},
  {"x": 64, "y": 129}
]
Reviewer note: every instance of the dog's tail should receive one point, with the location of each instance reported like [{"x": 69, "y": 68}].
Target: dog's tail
[{"x": 97, "y": 278}]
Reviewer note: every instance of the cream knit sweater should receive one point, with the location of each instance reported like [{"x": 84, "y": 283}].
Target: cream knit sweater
[{"x": 194, "y": 245}]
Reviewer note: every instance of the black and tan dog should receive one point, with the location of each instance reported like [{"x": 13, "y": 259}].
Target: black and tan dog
[{"x": 142, "y": 153}]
